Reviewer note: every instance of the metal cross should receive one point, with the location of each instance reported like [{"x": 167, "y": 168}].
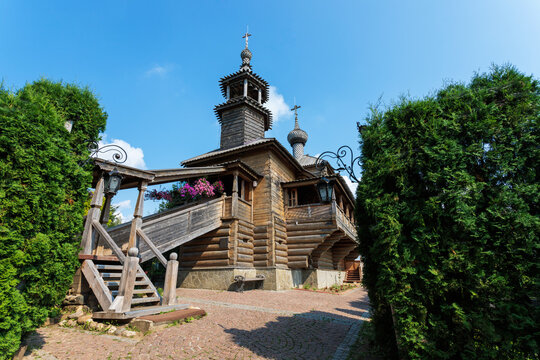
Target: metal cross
[
  {"x": 246, "y": 36},
  {"x": 295, "y": 108}
]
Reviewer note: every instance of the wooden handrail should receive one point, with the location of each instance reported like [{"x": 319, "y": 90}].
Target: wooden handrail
[
  {"x": 152, "y": 247},
  {"x": 118, "y": 252}
]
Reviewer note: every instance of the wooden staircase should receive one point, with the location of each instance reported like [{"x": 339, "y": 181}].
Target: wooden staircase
[
  {"x": 162, "y": 232},
  {"x": 353, "y": 276},
  {"x": 104, "y": 274},
  {"x": 354, "y": 271}
]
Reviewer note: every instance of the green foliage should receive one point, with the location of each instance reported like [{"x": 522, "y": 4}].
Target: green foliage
[
  {"x": 448, "y": 221},
  {"x": 42, "y": 193}
]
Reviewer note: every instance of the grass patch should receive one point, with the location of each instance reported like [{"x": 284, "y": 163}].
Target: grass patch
[{"x": 187, "y": 320}]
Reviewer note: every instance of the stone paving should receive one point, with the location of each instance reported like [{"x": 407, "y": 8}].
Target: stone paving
[{"x": 255, "y": 324}]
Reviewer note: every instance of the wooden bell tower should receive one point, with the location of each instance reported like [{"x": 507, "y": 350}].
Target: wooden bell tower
[{"x": 243, "y": 117}]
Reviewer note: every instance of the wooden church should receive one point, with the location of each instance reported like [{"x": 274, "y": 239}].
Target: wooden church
[{"x": 282, "y": 221}]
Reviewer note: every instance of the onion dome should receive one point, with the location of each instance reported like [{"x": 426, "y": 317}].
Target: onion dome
[
  {"x": 297, "y": 137},
  {"x": 246, "y": 56}
]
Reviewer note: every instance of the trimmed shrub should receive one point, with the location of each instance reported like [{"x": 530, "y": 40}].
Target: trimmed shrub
[
  {"x": 448, "y": 222},
  {"x": 42, "y": 194}
]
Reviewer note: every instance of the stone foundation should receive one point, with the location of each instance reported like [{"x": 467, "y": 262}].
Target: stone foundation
[{"x": 275, "y": 278}]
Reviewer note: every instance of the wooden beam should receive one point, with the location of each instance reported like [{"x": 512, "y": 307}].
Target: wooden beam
[
  {"x": 100, "y": 290},
  {"x": 169, "y": 287},
  {"x": 136, "y": 223},
  {"x": 117, "y": 251},
  {"x": 152, "y": 247},
  {"x": 122, "y": 302},
  {"x": 87, "y": 243}
]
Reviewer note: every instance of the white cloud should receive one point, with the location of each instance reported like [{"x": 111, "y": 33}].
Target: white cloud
[
  {"x": 277, "y": 105},
  {"x": 352, "y": 185},
  {"x": 135, "y": 156},
  {"x": 158, "y": 70},
  {"x": 124, "y": 210}
]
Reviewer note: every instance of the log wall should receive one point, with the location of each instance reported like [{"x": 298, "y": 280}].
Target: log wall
[
  {"x": 210, "y": 250},
  {"x": 325, "y": 261}
]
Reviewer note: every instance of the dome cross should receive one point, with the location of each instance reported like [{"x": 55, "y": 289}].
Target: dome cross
[
  {"x": 295, "y": 109},
  {"x": 246, "y": 36}
]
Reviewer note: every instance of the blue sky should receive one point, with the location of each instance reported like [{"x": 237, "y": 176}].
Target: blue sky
[{"x": 155, "y": 65}]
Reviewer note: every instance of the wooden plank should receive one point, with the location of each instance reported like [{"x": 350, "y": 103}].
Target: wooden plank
[
  {"x": 98, "y": 257},
  {"x": 133, "y": 313},
  {"x": 182, "y": 239},
  {"x": 303, "y": 246},
  {"x": 245, "y": 258},
  {"x": 152, "y": 247},
  {"x": 87, "y": 240},
  {"x": 96, "y": 283},
  {"x": 298, "y": 264},
  {"x": 112, "y": 245},
  {"x": 169, "y": 287},
  {"x": 205, "y": 255},
  {"x": 306, "y": 238},
  {"x": 205, "y": 263}
]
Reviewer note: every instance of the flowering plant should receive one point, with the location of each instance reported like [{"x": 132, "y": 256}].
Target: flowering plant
[{"x": 184, "y": 192}]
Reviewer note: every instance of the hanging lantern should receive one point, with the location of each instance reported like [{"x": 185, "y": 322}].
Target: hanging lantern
[
  {"x": 113, "y": 180},
  {"x": 325, "y": 189}
]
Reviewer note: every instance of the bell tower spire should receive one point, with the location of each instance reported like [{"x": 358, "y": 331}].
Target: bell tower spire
[{"x": 243, "y": 117}]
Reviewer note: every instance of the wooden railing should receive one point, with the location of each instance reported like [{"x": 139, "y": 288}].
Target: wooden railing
[
  {"x": 345, "y": 224},
  {"x": 321, "y": 212},
  {"x": 312, "y": 211},
  {"x": 243, "y": 211},
  {"x": 161, "y": 232}
]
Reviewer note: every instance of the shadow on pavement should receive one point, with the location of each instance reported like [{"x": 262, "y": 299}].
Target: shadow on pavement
[
  {"x": 33, "y": 341},
  {"x": 310, "y": 335}
]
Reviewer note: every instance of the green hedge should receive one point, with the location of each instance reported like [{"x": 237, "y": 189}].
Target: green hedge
[
  {"x": 448, "y": 220},
  {"x": 42, "y": 194}
]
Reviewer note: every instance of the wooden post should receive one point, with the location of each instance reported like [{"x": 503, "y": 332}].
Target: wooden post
[
  {"x": 234, "y": 214},
  {"x": 106, "y": 209},
  {"x": 272, "y": 260},
  {"x": 260, "y": 96},
  {"x": 136, "y": 223},
  {"x": 245, "y": 87},
  {"x": 228, "y": 92},
  {"x": 122, "y": 302},
  {"x": 334, "y": 205},
  {"x": 169, "y": 288},
  {"x": 87, "y": 243},
  {"x": 234, "y": 202},
  {"x": 251, "y": 197},
  {"x": 234, "y": 238}
]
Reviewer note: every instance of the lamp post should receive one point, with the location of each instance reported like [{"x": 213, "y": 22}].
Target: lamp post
[
  {"x": 112, "y": 182},
  {"x": 344, "y": 158},
  {"x": 325, "y": 188}
]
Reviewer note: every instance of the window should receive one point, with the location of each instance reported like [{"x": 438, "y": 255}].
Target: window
[{"x": 293, "y": 197}]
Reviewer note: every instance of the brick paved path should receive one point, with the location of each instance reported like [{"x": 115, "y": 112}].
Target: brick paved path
[{"x": 252, "y": 325}]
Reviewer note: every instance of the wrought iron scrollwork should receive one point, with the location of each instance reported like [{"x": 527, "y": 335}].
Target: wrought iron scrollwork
[
  {"x": 345, "y": 160},
  {"x": 119, "y": 155}
]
